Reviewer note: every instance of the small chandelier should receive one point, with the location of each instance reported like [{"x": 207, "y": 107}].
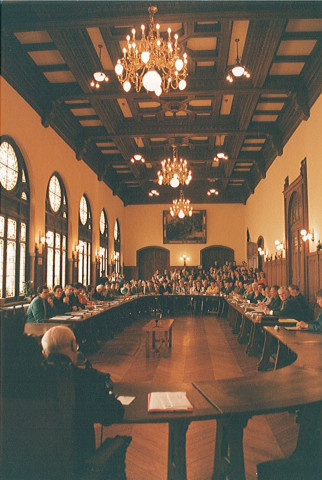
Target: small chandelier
[
  {"x": 238, "y": 70},
  {"x": 152, "y": 62},
  {"x": 181, "y": 207},
  {"x": 221, "y": 154},
  {"x": 137, "y": 158},
  {"x": 174, "y": 171},
  {"x": 99, "y": 77},
  {"x": 212, "y": 191}
]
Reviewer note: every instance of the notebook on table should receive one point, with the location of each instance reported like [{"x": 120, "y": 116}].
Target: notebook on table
[{"x": 169, "y": 402}]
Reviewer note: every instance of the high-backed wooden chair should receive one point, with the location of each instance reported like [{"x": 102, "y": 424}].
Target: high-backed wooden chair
[
  {"x": 305, "y": 463},
  {"x": 38, "y": 436}
]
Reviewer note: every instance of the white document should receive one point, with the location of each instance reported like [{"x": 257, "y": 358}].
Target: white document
[{"x": 168, "y": 401}]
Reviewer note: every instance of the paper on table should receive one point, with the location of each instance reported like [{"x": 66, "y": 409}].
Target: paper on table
[
  {"x": 168, "y": 401},
  {"x": 125, "y": 400},
  {"x": 287, "y": 320}
]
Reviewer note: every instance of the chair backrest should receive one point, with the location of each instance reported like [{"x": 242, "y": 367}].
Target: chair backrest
[{"x": 38, "y": 432}]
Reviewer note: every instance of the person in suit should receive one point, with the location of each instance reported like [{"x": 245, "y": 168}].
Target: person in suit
[
  {"x": 275, "y": 301},
  {"x": 315, "y": 326},
  {"x": 302, "y": 303},
  {"x": 289, "y": 307},
  {"x": 94, "y": 401},
  {"x": 41, "y": 307}
]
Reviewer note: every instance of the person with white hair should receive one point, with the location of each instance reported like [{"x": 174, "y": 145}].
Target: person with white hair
[{"x": 94, "y": 402}]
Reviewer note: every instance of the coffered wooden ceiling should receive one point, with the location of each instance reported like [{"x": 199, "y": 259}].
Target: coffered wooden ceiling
[{"x": 49, "y": 53}]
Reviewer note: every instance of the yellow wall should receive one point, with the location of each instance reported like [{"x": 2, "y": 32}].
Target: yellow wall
[
  {"x": 225, "y": 226},
  {"x": 265, "y": 209},
  {"x": 45, "y": 152}
]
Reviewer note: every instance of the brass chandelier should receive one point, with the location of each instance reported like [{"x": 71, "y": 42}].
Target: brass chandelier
[
  {"x": 181, "y": 207},
  {"x": 152, "y": 62},
  {"x": 174, "y": 171}
]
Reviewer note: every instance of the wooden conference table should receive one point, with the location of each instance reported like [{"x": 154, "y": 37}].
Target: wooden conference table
[{"x": 233, "y": 401}]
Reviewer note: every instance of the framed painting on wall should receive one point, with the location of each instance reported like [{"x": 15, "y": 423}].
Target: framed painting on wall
[{"x": 186, "y": 230}]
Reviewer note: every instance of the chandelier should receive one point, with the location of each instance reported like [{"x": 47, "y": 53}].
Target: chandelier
[
  {"x": 99, "y": 77},
  {"x": 152, "y": 62},
  {"x": 174, "y": 171},
  {"x": 238, "y": 70},
  {"x": 181, "y": 207}
]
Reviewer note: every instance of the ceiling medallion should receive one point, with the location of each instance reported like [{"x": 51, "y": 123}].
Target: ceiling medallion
[
  {"x": 181, "y": 207},
  {"x": 152, "y": 62},
  {"x": 99, "y": 77},
  {"x": 174, "y": 171},
  {"x": 137, "y": 158},
  {"x": 238, "y": 70}
]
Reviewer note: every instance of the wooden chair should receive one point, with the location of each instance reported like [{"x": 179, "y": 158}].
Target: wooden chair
[
  {"x": 38, "y": 436},
  {"x": 306, "y": 461}
]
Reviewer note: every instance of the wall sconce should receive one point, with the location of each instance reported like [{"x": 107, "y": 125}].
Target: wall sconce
[
  {"x": 185, "y": 259},
  {"x": 261, "y": 251},
  {"x": 280, "y": 247},
  {"x": 307, "y": 235}
]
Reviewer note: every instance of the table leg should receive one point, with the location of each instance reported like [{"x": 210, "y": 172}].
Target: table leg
[
  {"x": 177, "y": 467},
  {"x": 229, "y": 453},
  {"x": 147, "y": 344},
  {"x": 170, "y": 337}
]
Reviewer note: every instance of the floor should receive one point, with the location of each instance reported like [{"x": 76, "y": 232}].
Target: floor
[{"x": 204, "y": 348}]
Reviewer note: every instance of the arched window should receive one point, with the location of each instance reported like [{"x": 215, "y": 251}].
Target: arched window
[
  {"x": 84, "y": 242},
  {"x": 56, "y": 232},
  {"x": 117, "y": 246},
  {"x": 14, "y": 220},
  {"x": 103, "y": 251}
]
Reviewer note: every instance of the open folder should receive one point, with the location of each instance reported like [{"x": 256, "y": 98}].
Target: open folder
[{"x": 169, "y": 402}]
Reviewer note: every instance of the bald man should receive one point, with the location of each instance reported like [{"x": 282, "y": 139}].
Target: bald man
[{"x": 94, "y": 403}]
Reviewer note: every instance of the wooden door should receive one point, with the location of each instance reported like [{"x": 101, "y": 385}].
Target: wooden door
[
  {"x": 209, "y": 255},
  {"x": 150, "y": 259}
]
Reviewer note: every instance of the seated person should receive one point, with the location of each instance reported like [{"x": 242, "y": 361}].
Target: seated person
[
  {"x": 98, "y": 294},
  {"x": 69, "y": 298},
  {"x": 213, "y": 289},
  {"x": 94, "y": 403},
  {"x": 90, "y": 289},
  {"x": 289, "y": 307},
  {"x": 41, "y": 306},
  {"x": 181, "y": 287},
  {"x": 74, "y": 299},
  {"x": 275, "y": 302},
  {"x": 315, "y": 326},
  {"x": 126, "y": 289},
  {"x": 302, "y": 303},
  {"x": 83, "y": 299},
  {"x": 61, "y": 304}
]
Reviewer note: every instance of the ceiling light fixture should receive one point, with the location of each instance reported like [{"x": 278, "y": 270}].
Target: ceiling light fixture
[
  {"x": 152, "y": 62},
  {"x": 154, "y": 193},
  {"x": 221, "y": 154},
  {"x": 238, "y": 70},
  {"x": 137, "y": 158},
  {"x": 174, "y": 171},
  {"x": 212, "y": 191},
  {"x": 99, "y": 76},
  {"x": 181, "y": 207}
]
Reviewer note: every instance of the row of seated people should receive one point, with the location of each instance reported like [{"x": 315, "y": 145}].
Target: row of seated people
[{"x": 281, "y": 302}]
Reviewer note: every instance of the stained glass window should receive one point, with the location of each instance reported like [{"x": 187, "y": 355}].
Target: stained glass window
[
  {"x": 83, "y": 211},
  {"x": 14, "y": 220},
  {"x": 9, "y": 168},
  {"x": 55, "y": 193},
  {"x": 84, "y": 242},
  {"x": 103, "y": 250},
  {"x": 56, "y": 232}
]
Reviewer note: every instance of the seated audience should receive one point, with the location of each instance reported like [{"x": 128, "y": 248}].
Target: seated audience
[
  {"x": 41, "y": 307},
  {"x": 213, "y": 289},
  {"x": 94, "y": 402}
]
